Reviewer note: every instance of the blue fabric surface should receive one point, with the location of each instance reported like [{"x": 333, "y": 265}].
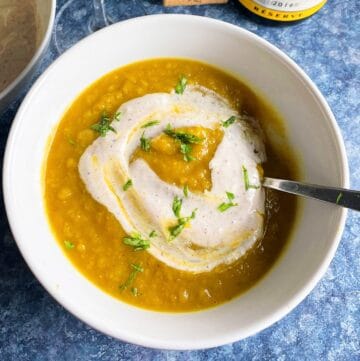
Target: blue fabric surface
[{"x": 323, "y": 327}]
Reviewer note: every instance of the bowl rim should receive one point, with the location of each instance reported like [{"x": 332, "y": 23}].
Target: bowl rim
[
  {"x": 37, "y": 55},
  {"x": 194, "y": 344}
]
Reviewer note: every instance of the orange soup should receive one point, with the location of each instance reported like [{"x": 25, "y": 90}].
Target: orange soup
[{"x": 93, "y": 239}]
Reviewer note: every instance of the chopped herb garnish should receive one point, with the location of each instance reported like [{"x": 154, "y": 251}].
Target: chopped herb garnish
[
  {"x": 135, "y": 270},
  {"x": 247, "y": 181},
  {"x": 226, "y": 205},
  {"x": 150, "y": 124},
  {"x": 181, "y": 85},
  {"x": 182, "y": 137},
  {"x": 152, "y": 234},
  {"x": 230, "y": 196},
  {"x": 134, "y": 291},
  {"x": 145, "y": 143},
  {"x": 186, "y": 150},
  {"x": 117, "y": 116},
  {"x": 127, "y": 185},
  {"x": 137, "y": 267},
  {"x": 185, "y": 139},
  {"x": 340, "y": 195},
  {"x": 103, "y": 126},
  {"x": 229, "y": 121},
  {"x": 176, "y": 206},
  {"x": 178, "y": 228},
  {"x": 186, "y": 190},
  {"x": 70, "y": 140},
  {"x": 136, "y": 241},
  {"x": 69, "y": 245}
]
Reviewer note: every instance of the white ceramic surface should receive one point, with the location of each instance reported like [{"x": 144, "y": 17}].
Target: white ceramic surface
[
  {"x": 312, "y": 131},
  {"x": 46, "y": 15}
]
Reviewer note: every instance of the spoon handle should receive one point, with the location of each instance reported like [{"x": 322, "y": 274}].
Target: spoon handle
[{"x": 340, "y": 196}]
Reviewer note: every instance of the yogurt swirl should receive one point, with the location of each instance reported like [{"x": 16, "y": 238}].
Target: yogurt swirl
[{"x": 210, "y": 239}]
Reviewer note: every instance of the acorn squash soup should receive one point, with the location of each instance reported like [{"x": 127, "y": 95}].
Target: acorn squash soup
[{"x": 152, "y": 185}]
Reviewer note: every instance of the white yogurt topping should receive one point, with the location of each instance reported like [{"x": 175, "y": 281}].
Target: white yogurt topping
[{"x": 213, "y": 237}]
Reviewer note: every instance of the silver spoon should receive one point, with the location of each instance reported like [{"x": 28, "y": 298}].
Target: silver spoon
[{"x": 340, "y": 196}]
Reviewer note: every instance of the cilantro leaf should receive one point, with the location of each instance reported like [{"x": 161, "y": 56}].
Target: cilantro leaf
[
  {"x": 136, "y": 268},
  {"x": 117, "y": 116},
  {"x": 230, "y": 196},
  {"x": 71, "y": 141},
  {"x": 150, "y": 124},
  {"x": 181, "y": 85},
  {"x": 103, "y": 126},
  {"x": 134, "y": 291},
  {"x": 226, "y": 205},
  {"x": 182, "y": 137},
  {"x": 145, "y": 143},
  {"x": 176, "y": 206},
  {"x": 178, "y": 228},
  {"x": 228, "y": 122},
  {"x": 69, "y": 245},
  {"x": 338, "y": 198},
  {"x": 186, "y": 150},
  {"x": 152, "y": 234},
  {"x": 136, "y": 241},
  {"x": 185, "y": 139},
  {"x": 127, "y": 185},
  {"x": 247, "y": 181}
]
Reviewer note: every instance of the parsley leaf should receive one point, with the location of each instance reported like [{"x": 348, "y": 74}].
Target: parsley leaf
[
  {"x": 136, "y": 241},
  {"x": 181, "y": 85},
  {"x": 127, "y": 185},
  {"x": 69, "y": 245},
  {"x": 228, "y": 122},
  {"x": 103, "y": 126},
  {"x": 150, "y": 124},
  {"x": 145, "y": 143},
  {"x": 247, "y": 181},
  {"x": 176, "y": 206},
  {"x": 225, "y": 206},
  {"x": 178, "y": 228},
  {"x": 186, "y": 190},
  {"x": 136, "y": 268}
]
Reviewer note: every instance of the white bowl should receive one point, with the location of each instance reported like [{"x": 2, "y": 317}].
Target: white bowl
[
  {"x": 312, "y": 131},
  {"x": 45, "y": 10}
]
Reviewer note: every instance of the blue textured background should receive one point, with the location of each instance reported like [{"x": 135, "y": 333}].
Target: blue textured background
[{"x": 323, "y": 327}]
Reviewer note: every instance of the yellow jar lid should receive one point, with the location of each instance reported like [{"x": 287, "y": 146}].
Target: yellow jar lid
[{"x": 270, "y": 9}]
